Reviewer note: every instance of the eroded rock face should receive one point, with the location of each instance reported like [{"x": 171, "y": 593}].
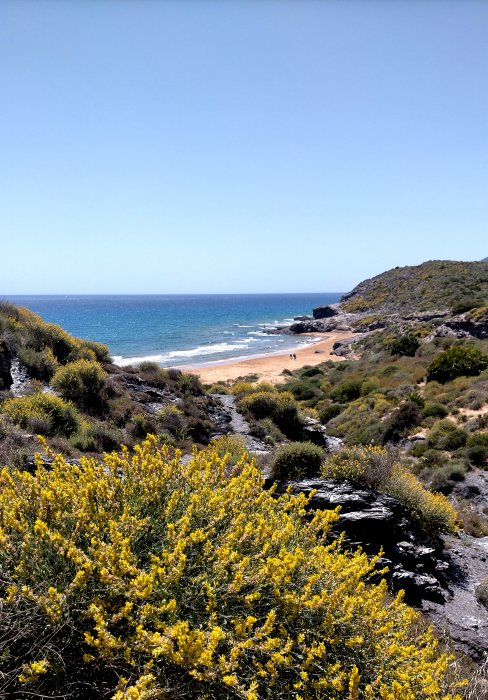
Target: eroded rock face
[
  {"x": 324, "y": 312},
  {"x": 5, "y": 366},
  {"x": 375, "y": 521}
]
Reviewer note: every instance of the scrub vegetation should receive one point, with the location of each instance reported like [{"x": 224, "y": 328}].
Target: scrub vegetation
[{"x": 133, "y": 573}]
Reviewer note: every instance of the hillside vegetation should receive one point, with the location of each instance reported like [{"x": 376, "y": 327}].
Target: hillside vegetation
[
  {"x": 142, "y": 574},
  {"x": 433, "y": 285},
  {"x": 70, "y": 392}
]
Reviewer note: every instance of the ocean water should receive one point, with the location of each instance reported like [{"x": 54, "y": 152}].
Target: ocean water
[{"x": 180, "y": 330}]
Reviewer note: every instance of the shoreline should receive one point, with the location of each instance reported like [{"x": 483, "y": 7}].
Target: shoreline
[{"x": 269, "y": 367}]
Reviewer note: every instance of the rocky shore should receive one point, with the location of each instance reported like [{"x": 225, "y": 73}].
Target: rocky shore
[{"x": 435, "y": 324}]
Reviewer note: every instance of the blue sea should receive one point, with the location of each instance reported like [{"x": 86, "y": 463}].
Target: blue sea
[{"x": 179, "y": 330}]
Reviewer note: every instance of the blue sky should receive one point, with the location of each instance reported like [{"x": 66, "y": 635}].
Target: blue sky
[{"x": 226, "y": 146}]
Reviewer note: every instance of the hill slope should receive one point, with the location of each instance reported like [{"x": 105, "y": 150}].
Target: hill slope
[{"x": 433, "y": 285}]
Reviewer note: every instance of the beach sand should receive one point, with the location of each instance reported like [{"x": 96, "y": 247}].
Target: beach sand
[{"x": 270, "y": 367}]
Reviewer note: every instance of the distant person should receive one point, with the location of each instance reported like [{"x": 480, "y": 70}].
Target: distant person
[{"x": 294, "y": 356}]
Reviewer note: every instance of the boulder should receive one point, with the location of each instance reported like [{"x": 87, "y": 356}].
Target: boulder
[
  {"x": 304, "y": 327},
  {"x": 324, "y": 312}
]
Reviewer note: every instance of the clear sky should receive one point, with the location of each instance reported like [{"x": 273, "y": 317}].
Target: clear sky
[{"x": 226, "y": 146}]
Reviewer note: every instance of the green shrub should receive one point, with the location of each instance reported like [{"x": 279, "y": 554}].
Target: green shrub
[
  {"x": 446, "y": 436},
  {"x": 170, "y": 419},
  {"x": 218, "y": 389},
  {"x": 267, "y": 430},
  {"x": 261, "y": 404},
  {"x": 311, "y": 372},
  {"x": 141, "y": 424},
  {"x": 41, "y": 364},
  {"x": 40, "y": 335},
  {"x": 435, "y": 410},
  {"x": 302, "y": 389},
  {"x": 43, "y": 413},
  {"x": 403, "y": 419},
  {"x": 331, "y": 411},
  {"x": 466, "y": 304},
  {"x": 287, "y": 418},
  {"x": 279, "y": 406},
  {"x": 457, "y": 361},
  {"x": 482, "y": 592},
  {"x": 434, "y": 457},
  {"x": 81, "y": 353},
  {"x": 347, "y": 391},
  {"x": 369, "y": 465},
  {"x": 406, "y": 345},
  {"x": 190, "y": 384},
  {"x": 81, "y": 382},
  {"x": 369, "y": 386},
  {"x": 102, "y": 353},
  {"x": 418, "y": 448},
  {"x": 97, "y": 437},
  {"x": 477, "y": 449},
  {"x": 295, "y": 461},
  {"x": 443, "y": 478}
]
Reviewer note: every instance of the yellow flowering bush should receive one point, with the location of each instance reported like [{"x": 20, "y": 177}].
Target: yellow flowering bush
[
  {"x": 143, "y": 576},
  {"x": 375, "y": 467},
  {"x": 240, "y": 389},
  {"x": 42, "y": 413}
]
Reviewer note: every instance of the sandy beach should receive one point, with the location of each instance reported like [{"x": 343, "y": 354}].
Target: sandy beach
[{"x": 270, "y": 367}]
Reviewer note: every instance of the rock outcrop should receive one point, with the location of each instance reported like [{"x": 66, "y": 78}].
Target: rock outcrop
[
  {"x": 374, "y": 521},
  {"x": 5, "y": 366},
  {"x": 324, "y": 312},
  {"x": 438, "y": 575}
]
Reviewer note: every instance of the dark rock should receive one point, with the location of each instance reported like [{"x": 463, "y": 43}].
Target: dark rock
[
  {"x": 324, "y": 312},
  {"x": 302, "y": 318},
  {"x": 6, "y": 380},
  {"x": 304, "y": 327},
  {"x": 476, "y": 329},
  {"x": 376, "y": 521},
  {"x": 315, "y": 432}
]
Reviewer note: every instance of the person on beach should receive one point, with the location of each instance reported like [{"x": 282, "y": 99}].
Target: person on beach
[{"x": 294, "y": 356}]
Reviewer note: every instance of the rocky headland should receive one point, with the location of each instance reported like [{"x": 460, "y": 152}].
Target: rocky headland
[{"x": 437, "y": 298}]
